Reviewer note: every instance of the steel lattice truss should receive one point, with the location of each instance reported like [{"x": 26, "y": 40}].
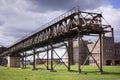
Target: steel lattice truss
[{"x": 61, "y": 29}]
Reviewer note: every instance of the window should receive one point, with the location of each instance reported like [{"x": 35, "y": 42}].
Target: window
[
  {"x": 106, "y": 50},
  {"x": 119, "y": 51}
]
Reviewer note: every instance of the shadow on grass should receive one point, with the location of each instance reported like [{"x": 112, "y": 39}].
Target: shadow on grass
[
  {"x": 26, "y": 68},
  {"x": 103, "y": 73},
  {"x": 83, "y": 72},
  {"x": 73, "y": 71},
  {"x": 111, "y": 73},
  {"x": 97, "y": 72}
]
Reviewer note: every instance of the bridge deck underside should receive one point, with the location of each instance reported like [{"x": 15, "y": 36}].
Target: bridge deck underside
[{"x": 57, "y": 39}]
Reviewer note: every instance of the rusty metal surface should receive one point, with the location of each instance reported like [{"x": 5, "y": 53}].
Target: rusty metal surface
[{"x": 61, "y": 29}]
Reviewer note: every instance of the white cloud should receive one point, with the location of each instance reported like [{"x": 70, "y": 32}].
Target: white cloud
[
  {"x": 16, "y": 20},
  {"x": 112, "y": 16},
  {"x": 6, "y": 40}
]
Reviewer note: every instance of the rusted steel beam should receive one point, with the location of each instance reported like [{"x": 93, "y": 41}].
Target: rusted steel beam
[
  {"x": 90, "y": 55},
  {"x": 63, "y": 27},
  {"x": 44, "y": 50},
  {"x": 61, "y": 59}
]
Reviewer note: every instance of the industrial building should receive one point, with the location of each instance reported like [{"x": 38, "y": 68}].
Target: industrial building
[
  {"x": 110, "y": 50},
  {"x": 117, "y": 53}
]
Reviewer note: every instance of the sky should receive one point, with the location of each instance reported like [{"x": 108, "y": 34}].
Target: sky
[{"x": 21, "y": 17}]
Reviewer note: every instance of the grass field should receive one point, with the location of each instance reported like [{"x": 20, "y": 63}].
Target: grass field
[{"x": 89, "y": 73}]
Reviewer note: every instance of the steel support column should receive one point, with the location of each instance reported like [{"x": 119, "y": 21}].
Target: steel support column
[
  {"x": 68, "y": 60},
  {"x": 47, "y": 58},
  {"x": 70, "y": 46},
  {"x": 34, "y": 65},
  {"x": 22, "y": 65},
  {"x": 101, "y": 55},
  {"x": 25, "y": 59},
  {"x": 0, "y": 60},
  {"x": 51, "y": 56},
  {"x": 70, "y": 53},
  {"x": 79, "y": 54}
]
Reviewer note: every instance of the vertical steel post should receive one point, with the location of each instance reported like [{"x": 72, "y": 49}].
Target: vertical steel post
[
  {"x": 0, "y": 60},
  {"x": 68, "y": 54},
  {"x": 101, "y": 54},
  {"x": 51, "y": 56},
  {"x": 34, "y": 67},
  {"x": 23, "y": 60},
  {"x": 69, "y": 58},
  {"x": 79, "y": 55},
  {"x": 47, "y": 58},
  {"x": 71, "y": 51}
]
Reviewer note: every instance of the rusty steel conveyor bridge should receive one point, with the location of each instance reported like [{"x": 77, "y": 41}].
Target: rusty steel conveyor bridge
[{"x": 72, "y": 24}]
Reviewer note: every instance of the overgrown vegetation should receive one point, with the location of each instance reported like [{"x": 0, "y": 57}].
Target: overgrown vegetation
[{"x": 88, "y": 73}]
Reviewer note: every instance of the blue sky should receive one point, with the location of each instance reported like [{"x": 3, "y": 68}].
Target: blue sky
[
  {"x": 115, "y": 3},
  {"x": 20, "y": 17}
]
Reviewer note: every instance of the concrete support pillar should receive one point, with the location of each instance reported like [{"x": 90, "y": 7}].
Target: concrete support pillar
[{"x": 14, "y": 62}]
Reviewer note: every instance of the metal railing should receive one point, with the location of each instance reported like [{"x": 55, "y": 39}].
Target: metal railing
[{"x": 64, "y": 15}]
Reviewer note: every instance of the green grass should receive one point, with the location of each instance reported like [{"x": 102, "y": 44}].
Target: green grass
[{"x": 88, "y": 73}]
